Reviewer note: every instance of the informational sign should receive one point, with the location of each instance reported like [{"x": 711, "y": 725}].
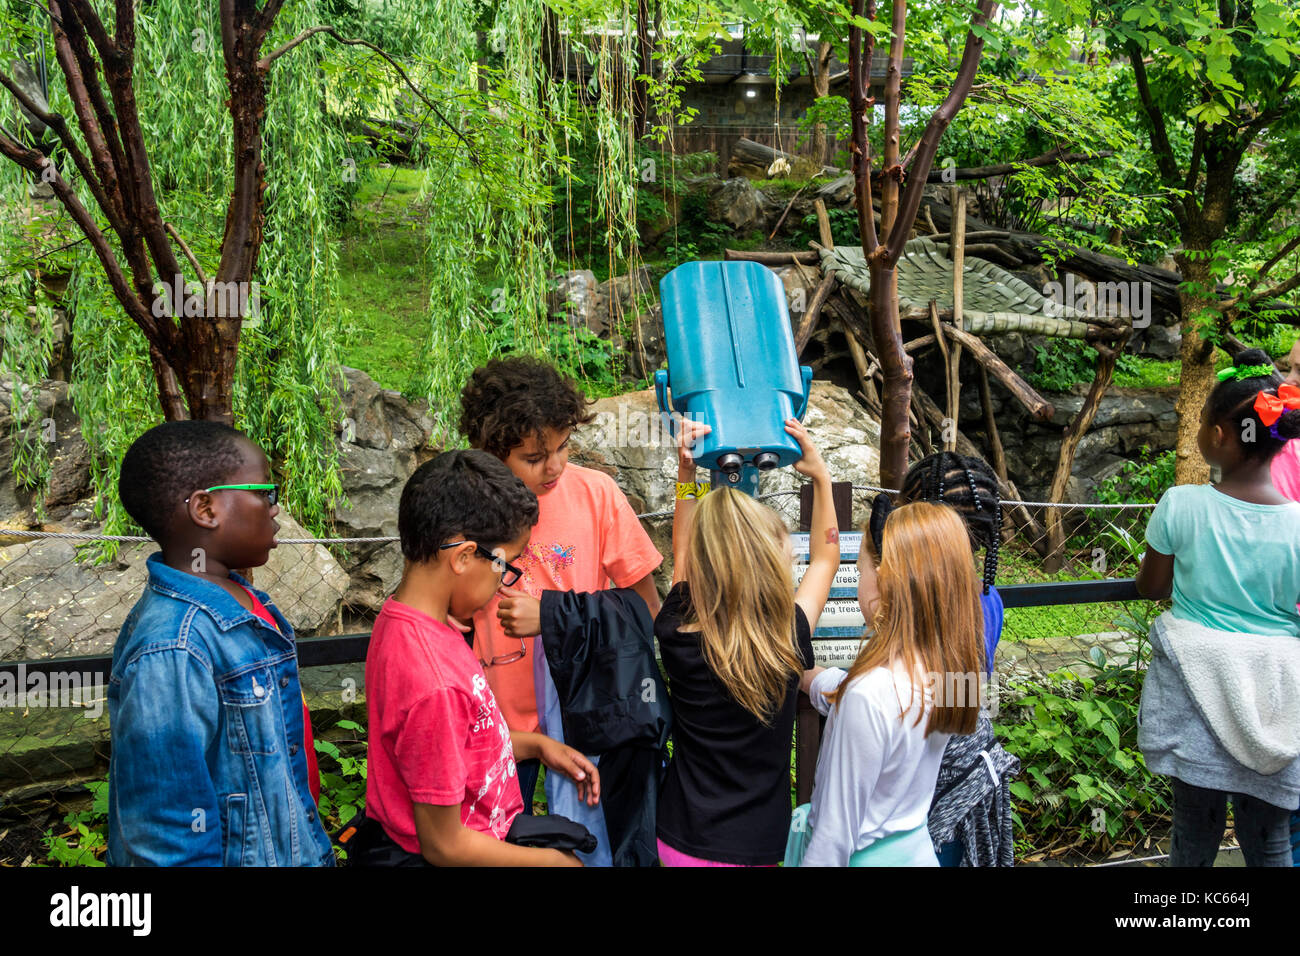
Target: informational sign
[
  {"x": 839, "y": 631},
  {"x": 836, "y": 652}
]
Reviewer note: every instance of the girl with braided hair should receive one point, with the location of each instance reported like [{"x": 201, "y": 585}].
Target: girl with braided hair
[
  {"x": 970, "y": 816},
  {"x": 968, "y": 485},
  {"x": 1220, "y": 710}
]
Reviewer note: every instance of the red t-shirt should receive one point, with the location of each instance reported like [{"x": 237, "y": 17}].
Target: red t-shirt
[
  {"x": 308, "y": 740},
  {"x": 436, "y": 733},
  {"x": 586, "y": 536}
]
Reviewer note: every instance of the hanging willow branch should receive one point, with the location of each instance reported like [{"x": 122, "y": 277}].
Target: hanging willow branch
[{"x": 194, "y": 360}]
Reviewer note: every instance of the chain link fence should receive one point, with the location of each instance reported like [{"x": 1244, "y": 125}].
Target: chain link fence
[{"x": 1066, "y": 687}]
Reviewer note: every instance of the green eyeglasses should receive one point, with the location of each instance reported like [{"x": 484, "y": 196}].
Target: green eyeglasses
[{"x": 270, "y": 492}]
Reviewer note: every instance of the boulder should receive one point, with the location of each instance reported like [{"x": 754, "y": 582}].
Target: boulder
[
  {"x": 383, "y": 439},
  {"x": 577, "y": 299},
  {"x": 56, "y": 603},
  {"x": 52, "y": 423},
  {"x": 375, "y": 417},
  {"x": 53, "y": 604},
  {"x": 837, "y": 192},
  {"x": 738, "y": 204},
  {"x": 304, "y": 580},
  {"x": 1157, "y": 341}
]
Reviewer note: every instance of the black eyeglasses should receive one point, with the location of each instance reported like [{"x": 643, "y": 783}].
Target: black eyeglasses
[{"x": 509, "y": 573}]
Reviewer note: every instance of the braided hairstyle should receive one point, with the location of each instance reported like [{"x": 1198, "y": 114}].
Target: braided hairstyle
[
  {"x": 1232, "y": 404},
  {"x": 963, "y": 482}
]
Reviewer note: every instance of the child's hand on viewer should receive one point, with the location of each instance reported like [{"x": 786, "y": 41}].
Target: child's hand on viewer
[
  {"x": 688, "y": 433},
  {"x": 519, "y": 612},
  {"x": 811, "y": 464},
  {"x": 564, "y": 759}
]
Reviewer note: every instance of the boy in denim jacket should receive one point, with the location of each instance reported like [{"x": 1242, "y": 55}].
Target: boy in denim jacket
[{"x": 209, "y": 763}]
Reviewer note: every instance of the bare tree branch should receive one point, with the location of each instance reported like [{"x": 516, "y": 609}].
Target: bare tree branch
[
  {"x": 265, "y": 63},
  {"x": 37, "y": 163},
  {"x": 60, "y": 127},
  {"x": 939, "y": 120},
  {"x": 198, "y": 269},
  {"x": 860, "y": 105}
]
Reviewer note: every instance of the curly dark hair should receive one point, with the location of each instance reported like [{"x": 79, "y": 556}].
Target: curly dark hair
[
  {"x": 168, "y": 463},
  {"x": 509, "y": 400},
  {"x": 963, "y": 482},
  {"x": 465, "y": 492},
  {"x": 1232, "y": 404}
]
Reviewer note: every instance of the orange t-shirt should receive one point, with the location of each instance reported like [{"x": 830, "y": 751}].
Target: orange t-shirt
[{"x": 586, "y": 536}]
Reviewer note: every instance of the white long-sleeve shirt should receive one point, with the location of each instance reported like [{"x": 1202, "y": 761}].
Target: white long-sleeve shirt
[{"x": 877, "y": 771}]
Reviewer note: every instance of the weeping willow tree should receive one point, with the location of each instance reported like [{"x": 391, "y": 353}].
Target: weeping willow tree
[
  {"x": 229, "y": 122},
  {"x": 187, "y": 159}
]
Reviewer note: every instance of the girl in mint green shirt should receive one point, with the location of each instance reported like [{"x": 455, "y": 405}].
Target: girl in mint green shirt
[{"x": 1229, "y": 556}]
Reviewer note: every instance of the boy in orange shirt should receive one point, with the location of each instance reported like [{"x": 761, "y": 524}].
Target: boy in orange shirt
[{"x": 523, "y": 411}]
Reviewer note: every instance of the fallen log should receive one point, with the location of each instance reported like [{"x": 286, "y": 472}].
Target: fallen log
[
  {"x": 771, "y": 258},
  {"x": 810, "y": 317},
  {"x": 757, "y": 157}
]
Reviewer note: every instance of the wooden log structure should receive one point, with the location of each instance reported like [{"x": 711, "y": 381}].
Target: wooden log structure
[
  {"x": 1074, "y": 432},
  {"x": 1037, "y": 406}
]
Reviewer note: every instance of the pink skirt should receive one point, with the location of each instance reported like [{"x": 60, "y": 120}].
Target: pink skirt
[{"x": 670, "y": 857}]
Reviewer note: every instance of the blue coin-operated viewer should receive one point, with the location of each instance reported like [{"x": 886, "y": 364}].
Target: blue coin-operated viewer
[{"x": 732, "y": 365}]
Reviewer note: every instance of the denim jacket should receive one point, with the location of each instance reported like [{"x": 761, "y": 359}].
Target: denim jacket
[{"x": 207, "y": 765}]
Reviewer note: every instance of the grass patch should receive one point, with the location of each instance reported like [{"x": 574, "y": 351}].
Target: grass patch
[
  {"x": 1063, "y": 620},
  {"x": 1134, "y": 371},
  {"x": 384, "y": 279}
]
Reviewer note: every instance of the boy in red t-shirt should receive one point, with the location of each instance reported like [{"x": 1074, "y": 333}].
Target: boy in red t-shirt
[
  {"x": 441, "y": 779},
  {"x": 587, "y": 535}
]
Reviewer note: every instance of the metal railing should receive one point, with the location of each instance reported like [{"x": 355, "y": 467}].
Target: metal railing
[{"x": 1069, "y": 646}]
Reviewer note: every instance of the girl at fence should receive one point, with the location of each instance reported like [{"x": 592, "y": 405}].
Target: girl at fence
[
  {"x": 912, "y": 686},
  {"x": 735, "y": 642},
  {"x": 970, "y": 818},
  {"x": 1220, "y": 710}
]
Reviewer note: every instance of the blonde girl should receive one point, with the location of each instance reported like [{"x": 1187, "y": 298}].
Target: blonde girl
[
  {"x": 736, "y": 640},
  {"x": 913, "y": 685}
]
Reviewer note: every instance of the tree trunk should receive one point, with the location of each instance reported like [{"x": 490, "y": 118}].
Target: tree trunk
[
  {"x": 896, "y": 369},
  {"x": 821, "y": 84},
  {"x": 645, "y": 64},
  {"x": 1197, "y": 380}
]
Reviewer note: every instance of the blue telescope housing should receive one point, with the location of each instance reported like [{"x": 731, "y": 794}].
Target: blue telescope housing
[{"x": 732, "y": 365}]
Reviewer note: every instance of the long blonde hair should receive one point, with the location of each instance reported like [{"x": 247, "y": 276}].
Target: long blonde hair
[
  {"x": 929, "y": 615},
  {"x": 742, "y": 600}
]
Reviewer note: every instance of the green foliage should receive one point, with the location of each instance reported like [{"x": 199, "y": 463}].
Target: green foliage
[
  {"x": 1083, "y": 776},
  {"x": 1062, "y": 363},
  {"x": 85, "y": 839},
  {"x": 844, "y": 228},
  {"x": 1139, "y": 482},
  {"x": 1066, "y": 362},
  {"x": 343, "y": 779},
  {"x": 577, "y": 352}
]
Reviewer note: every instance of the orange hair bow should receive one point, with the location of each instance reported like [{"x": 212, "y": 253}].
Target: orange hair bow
[{"x": 1270, "y": 407}]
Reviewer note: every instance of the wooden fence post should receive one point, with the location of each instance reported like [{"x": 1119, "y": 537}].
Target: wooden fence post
[{"x": 809, "y": 723}]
